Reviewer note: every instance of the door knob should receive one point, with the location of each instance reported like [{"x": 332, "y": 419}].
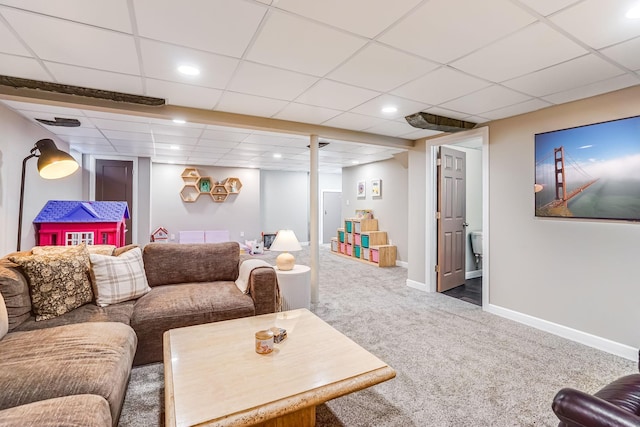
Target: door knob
[{"x": 465, "y": 224}]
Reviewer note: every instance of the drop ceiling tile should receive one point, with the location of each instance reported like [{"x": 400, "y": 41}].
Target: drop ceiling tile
[
  {"x": 220, "y": 26},
  {"x": 596, "y": 24},
  {"x": 31, "y": 110},
  {"x": 127, "y": 136},
  {"x": 95, "y": 79},
  {"x": 92, "y": 149},
  {"x": 97, "y": 141},
  {"x": 349, "y": 15},
  {"x": 568, "y": 75},
  {"x": 129, "y": 126},
  {"x": 176, "y": 139},
  {"x": 115, "y": 116},
  {"x": 79, "y": 132},
  {"x": 547, "y": 7},
  {"x": 420, "y": 133},
  {"x": 210, "y": 149},
  {"x": 26, "y": 68},
  {"x": 487, "y": 99},
  {"x": 218, "y": 135},
  {"x": 391, "y": 128},
  {"x": 260, "y": 80},
  {"x": 183, "y": 94},
  {"x": 107, "y": 50},
  {"x": 530, "y": 49},
  {"x": 336, "y": 95},
  {"x": 276, "y": 140},
  {"x": 119, "y": 143},
  {"x": 627, "y": 54},
  {"x": 440, "y": 86},
  {"x": 306, "y": 113},
  {"x": 297, "y": 44},
  {"x": 240, "y": 103},
  {"x": 443, "y": 30},
  {"x": 10, "y": 44},
  {"x": 353, "y": 121},
  {"x": 593, "y": 89},
  {"x": 161, "y": 61},
  {"x": 404, "y": 107},
  {"x": 176, "y": 130},
  {"x": 514, "y": 110},
  {"x": 381, "y": 68}
]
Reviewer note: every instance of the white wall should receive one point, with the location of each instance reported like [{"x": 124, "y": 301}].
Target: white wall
[
  {"x": 390, "y": 209},
  {"x": 240, "y": 213},
  {"x": 285, "y": 202},
  {"x": 575, "y": 273},
  {"x": 17, "y": 137}
]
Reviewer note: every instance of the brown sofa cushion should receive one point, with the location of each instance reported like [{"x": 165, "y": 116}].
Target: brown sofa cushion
[
  {"x": 87, "y": 358},
  {"x": 15, "y": 292},
  {"x": 203, "y": 262},
  {"x": 169, "y": 307},
  {"x": 83, "y": 410}
]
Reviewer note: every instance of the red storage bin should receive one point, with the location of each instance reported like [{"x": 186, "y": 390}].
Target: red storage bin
[{"x": 374, "y": 255}]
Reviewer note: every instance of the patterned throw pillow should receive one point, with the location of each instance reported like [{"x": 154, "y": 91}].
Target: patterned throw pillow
[
  {"x": 92, "y": 249},
  {"x": 58, "y": 283},
  {"x": 118, "y": 279}
]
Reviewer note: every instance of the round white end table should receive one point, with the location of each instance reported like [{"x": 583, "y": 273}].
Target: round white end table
[{"x": 295, "y": 287}]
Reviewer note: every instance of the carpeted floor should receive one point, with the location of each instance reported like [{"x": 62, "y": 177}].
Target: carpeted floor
[{"x": 456, "y": 365}]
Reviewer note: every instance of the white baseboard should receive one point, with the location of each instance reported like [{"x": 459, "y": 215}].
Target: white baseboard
[
  {"x": 402, "y": 264},
  {"x": 473, "y": 274},
  {"x": 419, "y": 286},
  {"x": 599, "y": 343}
]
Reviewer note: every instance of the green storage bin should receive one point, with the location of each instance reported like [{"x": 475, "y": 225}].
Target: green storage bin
[
  {"x": 356, "y": 251},
  {"x": 348, "y": 226},
  {"x": 341, "y": 234},
  {"x": 364, "y": 240}
]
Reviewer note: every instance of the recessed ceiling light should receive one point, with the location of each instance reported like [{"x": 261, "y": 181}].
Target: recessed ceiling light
[
  {"x": 189, "y": 70},
  {"x": 179, "y": 121},
  {"x": 389, "y": 109},
  {"x": 634, "y": 12},
  {"x": 277, "y": 156},
  {"x": 174, "y": 147},
  {"x": 355, "y": 162}
]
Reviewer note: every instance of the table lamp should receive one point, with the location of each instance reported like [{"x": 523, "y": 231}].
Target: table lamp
[{"x": 285, "y": 242}]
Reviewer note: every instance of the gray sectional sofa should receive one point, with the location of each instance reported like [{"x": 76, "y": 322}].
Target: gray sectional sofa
[{"x": 73, "y": 369}]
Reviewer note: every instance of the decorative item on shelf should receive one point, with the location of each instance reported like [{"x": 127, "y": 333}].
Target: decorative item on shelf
[
  {"x": 52, "y": 164},
  {"x": 204, "y": 184},
  {"x": 233, "y": 185},
  {"x": 364, "y": 213},
  {"x": 160, "y": 235},
  {"x": 195, "y": 185},
  {"x": 285, "y": 242}
]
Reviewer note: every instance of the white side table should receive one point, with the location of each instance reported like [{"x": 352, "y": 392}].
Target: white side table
[{"x": 295, "y": 287}]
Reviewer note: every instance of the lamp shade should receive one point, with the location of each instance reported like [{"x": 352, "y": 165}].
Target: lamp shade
[
  {"x": 54, "y": 163},
  {"x": 285, "y": 241}
]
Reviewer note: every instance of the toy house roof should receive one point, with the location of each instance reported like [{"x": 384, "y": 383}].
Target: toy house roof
[
  {"x": 82, "y": 211},
  {"x": 160, "y": 230}
]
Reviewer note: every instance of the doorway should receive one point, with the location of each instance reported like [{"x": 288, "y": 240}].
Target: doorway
[
  {"x": 331, "y": 214},
  {"x": 114, "y": 182}
]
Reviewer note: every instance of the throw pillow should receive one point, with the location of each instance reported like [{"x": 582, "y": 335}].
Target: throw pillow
[
  {"x": 118, "y": 279},
  {"x": 92, "y": 249},
  {"x": 4, "y": 318},
  {"x": 58, "y": 283}
]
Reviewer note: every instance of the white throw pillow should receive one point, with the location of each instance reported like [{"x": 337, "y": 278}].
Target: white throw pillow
[
  {"x": 4, "y": 318},
  {"x": 118, "y": 279}
]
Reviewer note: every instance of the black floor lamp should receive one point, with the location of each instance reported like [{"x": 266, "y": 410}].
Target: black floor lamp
[{"x": 52, "y": 164}]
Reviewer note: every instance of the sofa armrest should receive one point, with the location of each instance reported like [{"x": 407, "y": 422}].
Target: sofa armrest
[
  {"x": 576, "y": 408},
  {"x": 263, "y": 288}
]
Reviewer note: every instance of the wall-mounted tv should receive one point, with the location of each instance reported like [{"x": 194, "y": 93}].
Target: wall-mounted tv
[{"x": 590, "y": 171}]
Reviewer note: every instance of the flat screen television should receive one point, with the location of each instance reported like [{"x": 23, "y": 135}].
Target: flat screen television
[{"x": 590, "y": 171}]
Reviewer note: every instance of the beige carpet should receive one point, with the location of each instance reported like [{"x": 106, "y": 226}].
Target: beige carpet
[{"x": 456, "y": 365}]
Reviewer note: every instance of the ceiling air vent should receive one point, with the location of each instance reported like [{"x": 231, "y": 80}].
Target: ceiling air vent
[
  {"x": 60, "y": 121},
  {"x": 441, "y": 123},
  {"x": 320, "y": 144}
]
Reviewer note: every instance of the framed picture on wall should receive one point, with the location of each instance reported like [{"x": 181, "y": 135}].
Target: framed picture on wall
[
  {"x": 361, "y": 190},
  {"x": 376, "y": 188}
]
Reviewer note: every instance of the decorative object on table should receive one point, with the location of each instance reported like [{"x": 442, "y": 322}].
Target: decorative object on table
[
  {"x": 267, "y": 239},
  {"x": 376, "y": 188},
  {"x": 264, "y": 341},
  {"x": 279, "y": 334},
  {"x": 361, "y": 190},
  {"x": 285, "y": 242},
  {"x": 71, "y": 222},
  {"x": 195, "y": 185},
  {"x": 52, "y": 164},
  {"x": 160, "y": 235}
]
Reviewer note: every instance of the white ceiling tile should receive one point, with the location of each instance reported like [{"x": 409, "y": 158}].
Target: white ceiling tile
[
  {"x": 391, "y": 128},
  {"x": 30, "y": 110},
  {"x": 79, "y": 132},
  {"x": 300, "y": 45},
  {"x": 598, "y": 25},
  {"x": 577, "y": 72},
  {"x": 547, "y": 7},
  {"x": 220, "y": 26},
  {"x": 183, "y": 94},
  {"x": 260, "y": 80},
  {"x": 75, "y": 44},
  {"x": 335, "y": 95},
  {"x": 210, "y": 147},
  {"x": 10, "y": 44},
  {"x": 113, "y": 14},
  {"x": 439, "y": 86},
  {"x": 114, "y": 116},
  {"x": 85, "y": 140},
  {"x": 487, "y": 99},
  {"x": 443, "y": 30},
  {"x": 530, "y": 49},
  {"x": 95, "y": 79},
  {"x": 26, "y": 68},
  {"x": 353, "y": 121},
  {"x": 514, "y": 110},
  {"x": 92, "y": 149},
  {"x": 349, "y": 15},
  {"x": 176, "y": 130},
  {"x": 216, "y": 135},
  {"x": 404, "y": 107},
  {"x": 306, "y": 113},
  {"x": 175, "y": 139},
  {"x": 129, "y": 126},
  {"x": 161, "y": 61},
  {"x": 594, "y": 89},
  {"x": 276, "y": 140},
  {"x": 127, "y": 136},
  {"x": 627, "y": 53},
  {"x": 420, "y": 133},
  {"x": 119, "y": 143},
  {"x": 240, "y": 103}
]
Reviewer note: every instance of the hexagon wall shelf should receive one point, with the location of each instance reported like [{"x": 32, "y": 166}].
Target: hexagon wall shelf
[{"x": 195, "y": 185}]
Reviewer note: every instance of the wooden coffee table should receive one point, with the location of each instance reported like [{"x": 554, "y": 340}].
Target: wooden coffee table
[{"x": 213, "y": 376}]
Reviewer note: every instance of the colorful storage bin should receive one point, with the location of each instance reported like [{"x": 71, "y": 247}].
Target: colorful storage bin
[
  {"x": 357, "y": 240},
  {"x": 343, "y": 248},
  {"x": 334, "y": 244},
  {"x": 365, "y": 240},
  {"x": 375, "y": 256},
  {"x": 348, "y": 226},
  {"x": 356, "y": 250},
  {"x": 341, "y": 236},
  {"x": 365, "y": 253},
  {"x": 349, "y": 249}
]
